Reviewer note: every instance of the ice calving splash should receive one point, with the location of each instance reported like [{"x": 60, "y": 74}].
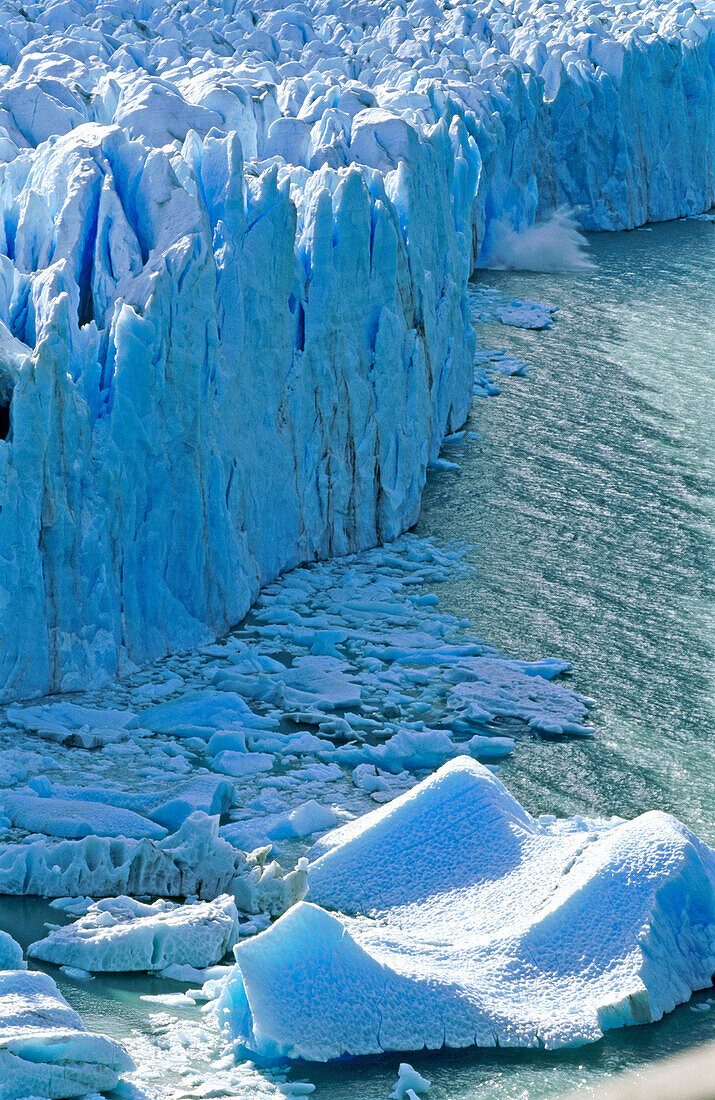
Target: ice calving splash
[
  {"x": 554, "y": 244},
  {"x": 242, "y": 208},
  {"x": 472, "y": 923}
]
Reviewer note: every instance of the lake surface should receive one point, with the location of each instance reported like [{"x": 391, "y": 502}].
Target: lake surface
[{"x": 588, "y": 504}]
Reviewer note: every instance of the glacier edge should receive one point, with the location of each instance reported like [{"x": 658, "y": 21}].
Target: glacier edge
[{"x": 233, "y": 262}]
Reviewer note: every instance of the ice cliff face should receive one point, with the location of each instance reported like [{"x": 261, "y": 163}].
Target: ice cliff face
[{"x": 234, "y": 246}]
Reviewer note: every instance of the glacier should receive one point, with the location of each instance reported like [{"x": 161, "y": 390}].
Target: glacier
[
  {"x": 234, "y": 252},
  {"x": 460, "y": 920}
]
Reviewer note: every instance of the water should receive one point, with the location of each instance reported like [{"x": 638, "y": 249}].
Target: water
[
  {"x": 590, "y": 506},
  {"x": 589, "y": 503}
]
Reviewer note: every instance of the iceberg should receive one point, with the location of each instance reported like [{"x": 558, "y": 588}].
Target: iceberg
[
  {"x": 45, "y": 1049},
  {"x": 234, "y": 251},
  {"x": 122, "y": 934},
  {"x": 458, "y": 919}
]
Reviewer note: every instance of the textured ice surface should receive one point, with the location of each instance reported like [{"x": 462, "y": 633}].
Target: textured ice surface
[
  {"x": 123, "y": 934},
  {"x": 354, "y": 683},
  {"x": 473, "y": 923},
  {"x": 75, "y": 819},
  {"x": 233, "y": 261},
  {"x": 45, "y": 1049},
  {"x": 409, "y": 1083},
  {"x": 193, "y": 861}
]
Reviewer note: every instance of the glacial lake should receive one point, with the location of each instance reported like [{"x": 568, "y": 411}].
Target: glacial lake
[{"x": 586, "y": 495}]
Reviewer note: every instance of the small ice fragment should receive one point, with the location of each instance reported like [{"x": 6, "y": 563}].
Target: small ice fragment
[
  {"x": 409, "y": 1083},
  {"x": 442, "y": 464},
  {"x": 77, "y": 973}
]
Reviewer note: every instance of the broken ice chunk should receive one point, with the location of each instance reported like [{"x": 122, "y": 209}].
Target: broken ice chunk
[
  {"x": 121, "y": 934},
  {"x": 45, "y": 1049}
]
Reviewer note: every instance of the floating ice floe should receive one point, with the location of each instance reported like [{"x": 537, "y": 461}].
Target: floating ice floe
[
  {"x": 73, "y": 725},
  {"x": 74, "y": 819},
  {"x": 209, "y": 794},
  {"x": 45, "y": 1049},
  {"x": 470, "y": 922},
  {"x": 306, "y": 819},
  {"x": 10, "y": 953},
  {"x": 490, "y": 305},
  {"x": 121, "y": 934},
  {"x": 409, "y": 1083},
  {"x": 525, "y": 314}
]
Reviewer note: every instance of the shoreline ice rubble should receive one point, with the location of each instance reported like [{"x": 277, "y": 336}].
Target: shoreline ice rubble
[
  {"x": 234, "y": 249},
  {"x": 473, "y": 923}
]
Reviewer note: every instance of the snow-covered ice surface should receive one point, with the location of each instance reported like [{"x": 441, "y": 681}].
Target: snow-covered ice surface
[
  {"x": 45, "y": 1050},
  {"x": 473, "y": 923},
  {"x": 239, "y": 231}
]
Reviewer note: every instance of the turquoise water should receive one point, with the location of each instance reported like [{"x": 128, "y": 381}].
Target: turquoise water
[{"x": 589, "y": 505}]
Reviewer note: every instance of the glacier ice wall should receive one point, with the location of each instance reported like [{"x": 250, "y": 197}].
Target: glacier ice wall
[{"x": 234, "y": 248}]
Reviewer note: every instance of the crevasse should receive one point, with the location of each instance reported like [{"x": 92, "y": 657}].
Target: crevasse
[{"x": 234, "y": 249}]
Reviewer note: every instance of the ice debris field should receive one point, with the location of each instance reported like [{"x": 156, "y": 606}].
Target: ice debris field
[{"x": 235, "y": 332}]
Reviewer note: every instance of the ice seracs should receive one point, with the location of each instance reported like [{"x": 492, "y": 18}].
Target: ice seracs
[
  {"x": 238, "y": 231},
  {"x": 458, "y": 919},
  {"x": 45, "y": 1049}
]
